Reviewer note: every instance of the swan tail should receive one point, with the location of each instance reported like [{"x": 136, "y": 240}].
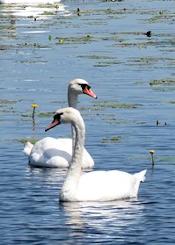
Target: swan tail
[
  {"x": 141, "y": 175},
  {"x": 28, "y": 148}
]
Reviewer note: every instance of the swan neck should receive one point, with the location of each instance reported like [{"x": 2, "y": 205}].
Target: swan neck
[
  {"x": 72, "y": 102},
  {"x": 79, "y": 145},
  {"x": 74, "y": 172},
  {"x": 72, "y": 99}
]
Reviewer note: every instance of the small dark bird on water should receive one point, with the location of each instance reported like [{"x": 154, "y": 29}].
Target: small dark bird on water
[
  {"x": 148, "y": 33},
  {"x": 78, "y": 11}
]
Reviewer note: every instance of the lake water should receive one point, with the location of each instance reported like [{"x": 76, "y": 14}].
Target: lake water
[{"x": 41, "y": 49}]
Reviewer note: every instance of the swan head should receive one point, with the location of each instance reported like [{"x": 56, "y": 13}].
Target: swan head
[
  {"x": 65, "y": 115},
  {"x": 80, "y": 86}
]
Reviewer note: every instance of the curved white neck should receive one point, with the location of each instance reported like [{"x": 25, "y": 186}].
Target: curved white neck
[
  {"x": 74, "y": 171},
  {"x": 72, "y": 102},
  {"x": 72, "y": 98}
]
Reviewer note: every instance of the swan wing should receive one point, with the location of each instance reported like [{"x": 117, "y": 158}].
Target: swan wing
[
  {"x": 107, "y": 185},
  {"x": 51, "y": 152}
]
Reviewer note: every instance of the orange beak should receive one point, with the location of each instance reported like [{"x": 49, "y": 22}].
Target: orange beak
[
  {"x": 53, "y": 124},
  {"x": 89, "y": 92}
]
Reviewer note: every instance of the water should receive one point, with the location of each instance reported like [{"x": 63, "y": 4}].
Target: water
[{"x": 41, "y": 49}]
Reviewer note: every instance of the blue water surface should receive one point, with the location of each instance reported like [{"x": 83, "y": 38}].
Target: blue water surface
[{"x": 41, "y": 49}]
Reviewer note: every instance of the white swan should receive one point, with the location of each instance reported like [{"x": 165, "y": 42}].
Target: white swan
[
  {"x": 95, "y": 185},
  {"x": 52, "y": 152},
  {"x": 30, "y": 1}
]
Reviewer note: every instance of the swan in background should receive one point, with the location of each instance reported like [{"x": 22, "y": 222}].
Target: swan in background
[
  {"x": 95, "y": 185},
  {"x": 30, "y": 1},
  {"x": 52, "y": 152}
]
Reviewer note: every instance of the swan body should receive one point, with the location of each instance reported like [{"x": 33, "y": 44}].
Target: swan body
[
  {"x": 52, "y": 153},
  {"x": 95, "y": 185},
  {"x": 30, "y": 1},
  {"x": 108, "y": 185},
  {"x": 57, "y": 152}
]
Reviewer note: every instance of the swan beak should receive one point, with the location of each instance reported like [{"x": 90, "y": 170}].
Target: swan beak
[
  {"x": 53, "y": 124},
  {"x": 89, "y": 92}
]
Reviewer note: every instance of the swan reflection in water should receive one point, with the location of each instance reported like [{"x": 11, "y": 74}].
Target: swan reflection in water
[{"x": 102, "y": 218}]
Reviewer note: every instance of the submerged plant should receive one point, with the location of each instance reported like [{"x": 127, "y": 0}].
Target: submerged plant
[
  {"x": 152, "y": 152},
  {"x": 34, "y": 106}
]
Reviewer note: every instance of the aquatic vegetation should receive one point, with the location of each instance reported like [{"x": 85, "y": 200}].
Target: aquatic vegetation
[
  {"x": 114, "y": 139},
  {"x": 74, "y": 40},
  {"x": 34, "y": 106},
  {"x": 47, "y": 13},
  {"x": 7, "y": 106},
  {"x": 152, "y": 152},
  {"x": 31, "y": 140},
  {"x": 50, "y": 37},
  {"x": 115, "y": 105},
  {"x": 6, "y": 47},
  {"x": 45, "y": 114},
  {"x": 101, "y": 60},
  {"x": 144, "y": 61},
  {"x": 111, "y": 119},
  {"x": 106, "y": 63},
  {"x": 32, "y": 45},
  {"x": 172, "y": 102},
  {"x": 162, "y": 16},
  {"x": 7, "y": 102},
  {"x": 166, "y": 82}
]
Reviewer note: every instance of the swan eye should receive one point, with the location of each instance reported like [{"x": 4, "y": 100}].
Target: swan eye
[
  {"x": 85, "y": 86},
  {"x": 58, "y": 116}
]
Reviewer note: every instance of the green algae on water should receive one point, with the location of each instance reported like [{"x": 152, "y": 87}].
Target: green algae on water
[
  {"x": 7, "y": 102},
  {"x": 114, "y": 139},
  {"x": 162, "y": 82},
  {"x": 31, "y": 140},
  {"x": 74, "y": 40},
  {"x": 115, "y": 105}
]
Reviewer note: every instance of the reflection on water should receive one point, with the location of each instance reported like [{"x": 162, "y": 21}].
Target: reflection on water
[
  {"x": 36, "y": 2},
  {"x": 48, "y": 175},
  {"x": 42, "y": 11},
  {"x": 12, "y": 19},
  {"x": 105, "y": 219}
]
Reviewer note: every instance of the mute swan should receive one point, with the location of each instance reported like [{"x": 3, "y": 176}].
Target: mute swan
[
  {"x": 52, "y": 152},
  {"x": 30, "y": 1},
  {"x": 95, "y": 185}
]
